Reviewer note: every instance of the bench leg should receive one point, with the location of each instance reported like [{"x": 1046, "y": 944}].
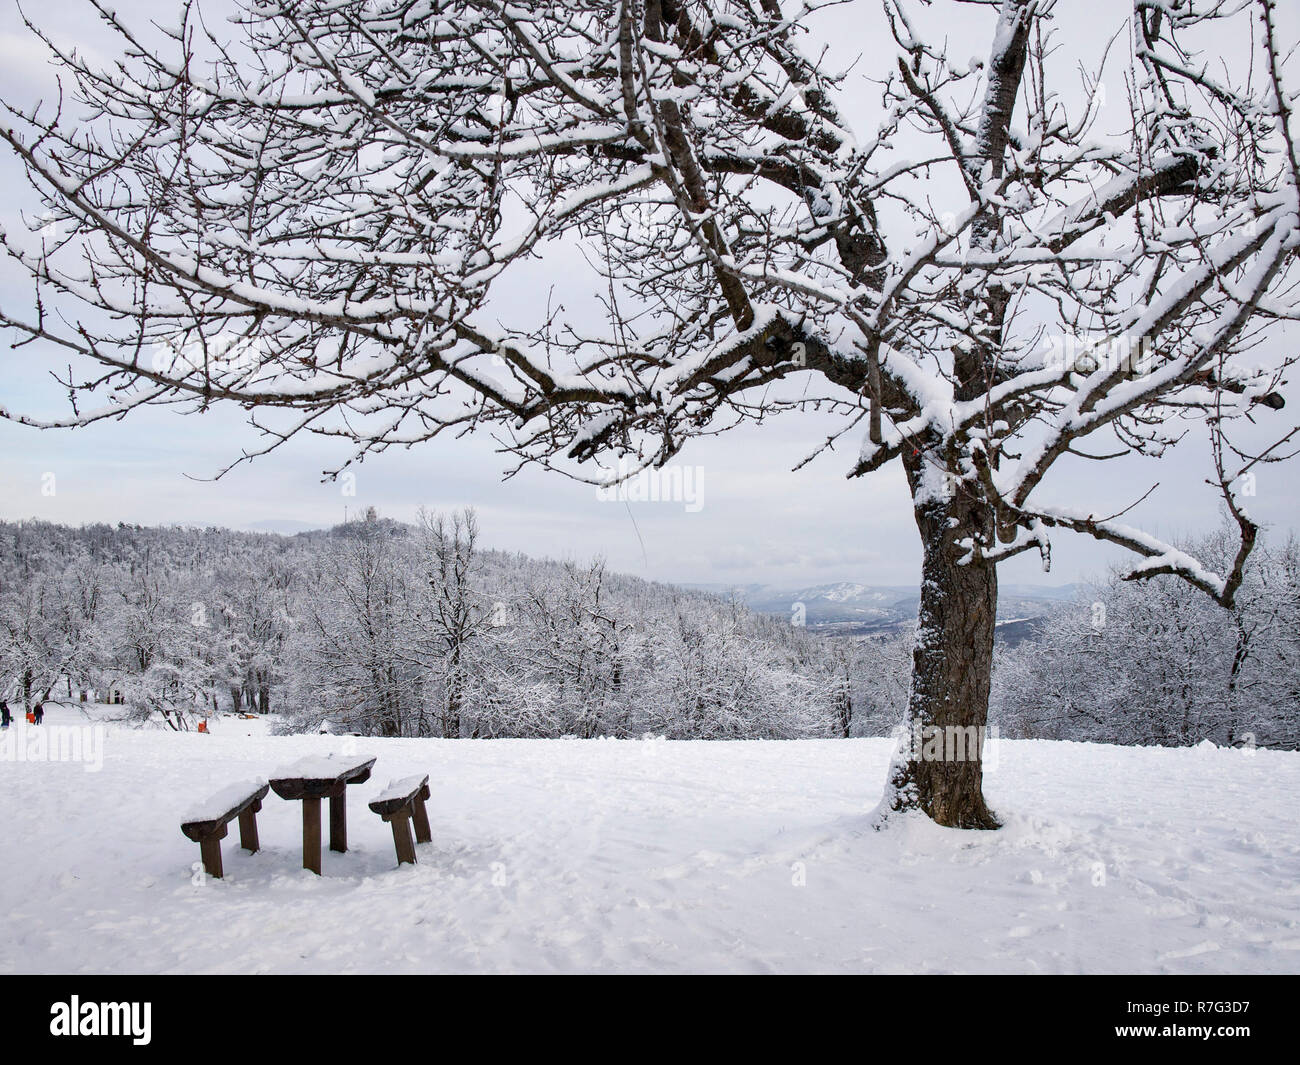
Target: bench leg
[
  {"x": 401, "y": 822},
  {"x": 210, "y": 849},
  {"x": 339, "y": 822},
  {"x": 248, "y": 829},
  {"x": 311, "y": 835},
  {"x": 421, "y": 817}
]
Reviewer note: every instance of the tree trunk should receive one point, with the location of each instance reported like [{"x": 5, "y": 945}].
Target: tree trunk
[
  {"x": 938, "y": 767},
  {"x": 451, "y": 720},
  {"x": 844, "y": 708}
]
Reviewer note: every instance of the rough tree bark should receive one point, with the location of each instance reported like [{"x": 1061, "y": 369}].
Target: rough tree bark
[
  {"x": 939, "y": 766},
  {"x": 451, "y": 719}
]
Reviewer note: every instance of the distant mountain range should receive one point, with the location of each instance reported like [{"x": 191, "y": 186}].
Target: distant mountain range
[{"x": 848, "y": 608}]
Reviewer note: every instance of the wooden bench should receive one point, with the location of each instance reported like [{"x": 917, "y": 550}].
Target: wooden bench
[
  {"x": 206, "y": 823},
  {"x": 401, "y": 803},
  {"x": 314, "y": 778}
]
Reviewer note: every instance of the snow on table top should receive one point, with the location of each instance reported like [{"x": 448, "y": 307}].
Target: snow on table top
[
  {"x": 319, "y": 767},
  {"x": 400, "y": 789},
  {"x": 223, "y": 801}
]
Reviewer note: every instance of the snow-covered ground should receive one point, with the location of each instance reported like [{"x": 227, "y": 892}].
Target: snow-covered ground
[{"x": 580, "y": 856}]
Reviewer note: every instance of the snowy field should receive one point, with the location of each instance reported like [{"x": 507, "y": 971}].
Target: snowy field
[{"x": 605, "y": 856}]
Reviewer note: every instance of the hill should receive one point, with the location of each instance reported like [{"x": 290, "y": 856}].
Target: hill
[{"x": 382, "y": 628}]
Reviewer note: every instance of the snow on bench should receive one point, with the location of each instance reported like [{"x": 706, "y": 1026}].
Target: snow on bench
[
  {"x": 398, "y": 793},
  {"x": 218, "y": 805},
  {"x": 206, "y": 822},
  {"x": 401, "y": 803}
]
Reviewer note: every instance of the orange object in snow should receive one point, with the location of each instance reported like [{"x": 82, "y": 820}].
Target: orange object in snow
[
  {"x": 203, "y": 726},
  {"x": 31, "y": 718}
]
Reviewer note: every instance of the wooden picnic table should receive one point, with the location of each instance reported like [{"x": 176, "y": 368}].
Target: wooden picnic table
[{"x": 319, "y": 777}]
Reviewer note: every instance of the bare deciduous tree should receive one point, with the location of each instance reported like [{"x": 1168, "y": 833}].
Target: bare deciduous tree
[
  {"x": 452, "y": 612},
  {"x": 311, "y": 220}
]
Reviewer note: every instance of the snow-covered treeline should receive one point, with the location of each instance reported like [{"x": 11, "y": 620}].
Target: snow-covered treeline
[
  {"x": 382, "y": 628},
  {"x": 1159, "y": 664}
]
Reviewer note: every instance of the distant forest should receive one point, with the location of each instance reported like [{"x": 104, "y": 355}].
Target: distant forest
[
  {"x": 387, "y": 629},
  {"x": 382, "y": 628}
]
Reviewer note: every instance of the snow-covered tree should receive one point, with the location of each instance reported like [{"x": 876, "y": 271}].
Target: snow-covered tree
[
  {"x": 1164, "y": 664},
  {"x": 453, "y": 611},
  {"x": 360, "y": 672},
  {"x": 310, "y": 216},
  {"x": 253, "y": 603}
]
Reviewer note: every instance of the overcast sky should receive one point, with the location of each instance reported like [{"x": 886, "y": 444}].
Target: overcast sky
[{"x": 757, "y": 521}]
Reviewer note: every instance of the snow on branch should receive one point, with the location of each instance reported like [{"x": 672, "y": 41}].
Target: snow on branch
[{"x": 324, "y": 215}]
